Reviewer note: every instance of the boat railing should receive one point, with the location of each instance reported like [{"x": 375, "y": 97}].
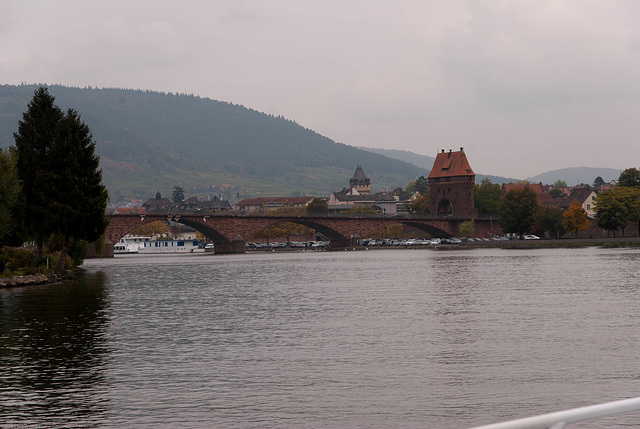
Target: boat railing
[{"x": 559, "y": 419}]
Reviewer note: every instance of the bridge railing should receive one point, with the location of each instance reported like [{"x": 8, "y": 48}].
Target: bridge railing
[{"x": 560, "y": 419}]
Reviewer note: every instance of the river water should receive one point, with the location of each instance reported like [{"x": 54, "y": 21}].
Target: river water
[{"x": 369, "y": 339}]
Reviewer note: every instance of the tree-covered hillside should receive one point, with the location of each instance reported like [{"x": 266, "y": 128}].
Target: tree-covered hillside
[{"x": 150, "y": 141}]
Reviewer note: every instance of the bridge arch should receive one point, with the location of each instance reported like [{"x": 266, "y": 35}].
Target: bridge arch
[
  {"x": 444, "y": 208},
  {"x": 208, "y": 231},
  {"x": 430, "y": 229}
]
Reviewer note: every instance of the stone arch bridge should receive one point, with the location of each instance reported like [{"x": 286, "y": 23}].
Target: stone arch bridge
[{"x": 229, "y": 233}]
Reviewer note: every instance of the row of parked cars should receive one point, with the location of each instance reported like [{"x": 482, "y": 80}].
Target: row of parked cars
[
  {"x": 372, "y": 242},
  {"x": 289, "y": 244}
]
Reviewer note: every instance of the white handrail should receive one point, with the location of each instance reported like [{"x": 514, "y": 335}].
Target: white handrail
[{"x": 559, "y": 419}]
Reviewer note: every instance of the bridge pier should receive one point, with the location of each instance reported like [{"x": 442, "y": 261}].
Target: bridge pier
[
  {"x": 235, "y": 246},
  {"x": 340, "y": 244}
]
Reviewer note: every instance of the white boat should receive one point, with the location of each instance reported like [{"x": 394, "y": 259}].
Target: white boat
[
  {"x": 130, "y": 244},
  {"x": 170, "y": 246},
  {"x": 138, "y": 244}
]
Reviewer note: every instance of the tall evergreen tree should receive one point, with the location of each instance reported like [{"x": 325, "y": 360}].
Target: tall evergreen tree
[
  {"x": 35, "y": 136},
  {"x": 78, "y": 201},
  {"x": 178, "y": 194},
  {"x": 11, "y": 199}
]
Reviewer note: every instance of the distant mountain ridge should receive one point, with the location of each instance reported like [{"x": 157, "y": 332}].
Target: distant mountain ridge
[
  {"x": 577, "y": 175},
  {"x": 422, "y": 161},
  {"x": 151, "y": 141}
]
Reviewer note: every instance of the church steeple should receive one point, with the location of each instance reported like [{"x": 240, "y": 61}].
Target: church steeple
[{"x": 360, "y": 183}]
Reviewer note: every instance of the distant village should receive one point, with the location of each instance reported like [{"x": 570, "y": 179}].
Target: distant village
[
  {"x": 357, "y": 194},
  {"x": 449, "y": 189}
]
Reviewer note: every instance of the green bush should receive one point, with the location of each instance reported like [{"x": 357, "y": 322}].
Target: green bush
[
  {"x": 15, "y": 258},
  {"x": 78, "y": 251}
]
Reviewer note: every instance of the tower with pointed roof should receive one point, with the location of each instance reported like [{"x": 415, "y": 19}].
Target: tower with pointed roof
[
  {"x": 451, "y": 182},
  {"x": 360, "y": 183}
]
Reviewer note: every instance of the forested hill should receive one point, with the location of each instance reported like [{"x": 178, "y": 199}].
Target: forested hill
[{"x": 150, "y": 141}]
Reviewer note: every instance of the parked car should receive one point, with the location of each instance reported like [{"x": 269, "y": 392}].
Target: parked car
[{"x": 531, "y": 237}]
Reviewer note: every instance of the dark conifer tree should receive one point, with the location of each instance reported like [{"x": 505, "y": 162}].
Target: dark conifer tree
[
  {"x": 78, "y": 200},
  {"x": 35, "y": 136}
]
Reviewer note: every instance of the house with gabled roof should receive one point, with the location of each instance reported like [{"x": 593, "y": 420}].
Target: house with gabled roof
[
  {"x": 157, "y": 204},
  {"x": 252, "y": 205},
  {"x": 585, "y": 196}
]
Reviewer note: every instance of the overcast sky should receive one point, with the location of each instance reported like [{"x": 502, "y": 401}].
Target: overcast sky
[{"x": 523, "y": 86}]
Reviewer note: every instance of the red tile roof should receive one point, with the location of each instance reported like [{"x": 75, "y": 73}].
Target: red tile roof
[
  {"x": 255, "y": 201},
  {"x": 292, "y": 200},
  {"x": 263, "y": 201},
  {"x": 448, "y": 164}
]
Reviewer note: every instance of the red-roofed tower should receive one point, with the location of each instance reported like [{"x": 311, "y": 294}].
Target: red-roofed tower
[{"x": 451, "y": 185}]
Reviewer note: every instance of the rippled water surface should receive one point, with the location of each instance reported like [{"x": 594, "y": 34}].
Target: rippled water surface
[{"x": 385, "y": 338}]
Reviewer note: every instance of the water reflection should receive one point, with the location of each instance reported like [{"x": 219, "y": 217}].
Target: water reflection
[{"x": 53, "y": 349}]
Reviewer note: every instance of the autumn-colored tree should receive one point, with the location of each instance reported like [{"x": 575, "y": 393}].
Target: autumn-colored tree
[
  {"x": 468, "y": 228},
  {"x": 152, "y": 229},
  {"x": 392, "y": 230},
  {"x": 317, "y": 207},
  {"x": 284, "y": 229},
  {"x": 575, "y": 218}
]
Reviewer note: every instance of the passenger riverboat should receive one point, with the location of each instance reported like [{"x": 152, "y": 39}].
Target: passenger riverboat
[
  {"x": 130, "y": 244},
  {"x": 137, "y": 244}
]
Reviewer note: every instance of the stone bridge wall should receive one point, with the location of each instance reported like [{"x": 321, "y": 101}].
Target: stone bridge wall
[{"x": 225, "y": 230}]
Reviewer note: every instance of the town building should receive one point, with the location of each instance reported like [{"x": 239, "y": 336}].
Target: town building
[
  {"x": 585, "y": 196},
  {"x": 157, "y": 204},
  {"x": 359, "y": 195},
  {"x": 190, "y": 205},
  {"x": 382, "y": 203},
  {"x": 268, "y": 204}
]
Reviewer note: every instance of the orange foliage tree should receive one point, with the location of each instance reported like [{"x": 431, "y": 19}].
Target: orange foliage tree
[{"x": 575, "y": 218}]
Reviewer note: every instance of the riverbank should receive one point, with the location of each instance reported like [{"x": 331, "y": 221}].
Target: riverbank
[
  {"x": 504, "y": 244},
  {"x": 559, "y": 243},
  {"x": 34, "y": 280}
]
